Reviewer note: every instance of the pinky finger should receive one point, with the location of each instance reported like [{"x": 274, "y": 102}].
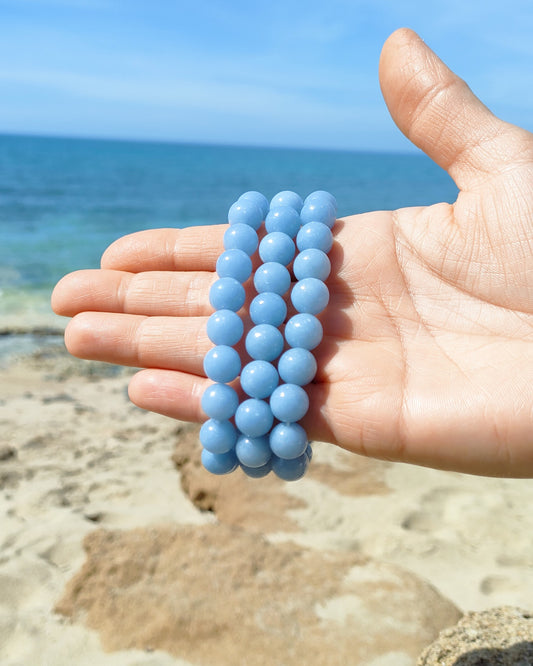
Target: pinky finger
[{"x": 169, "y": 392}]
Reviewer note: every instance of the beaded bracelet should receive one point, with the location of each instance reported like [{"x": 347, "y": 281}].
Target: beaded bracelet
[{"x": 262, "y": 433}]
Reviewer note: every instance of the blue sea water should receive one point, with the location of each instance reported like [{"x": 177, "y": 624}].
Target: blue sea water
[{"x": 62, "y": 201}]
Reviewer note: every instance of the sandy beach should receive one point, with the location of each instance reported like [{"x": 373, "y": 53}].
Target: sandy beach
[{"x": 116, "y": 548}]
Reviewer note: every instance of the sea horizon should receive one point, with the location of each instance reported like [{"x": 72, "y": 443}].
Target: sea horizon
[
  {"x": 409, "y": 150},
  {"x": 64, "y": 199}
]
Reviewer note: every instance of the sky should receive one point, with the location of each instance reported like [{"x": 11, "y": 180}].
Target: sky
[{"x": 244, "y": 72}]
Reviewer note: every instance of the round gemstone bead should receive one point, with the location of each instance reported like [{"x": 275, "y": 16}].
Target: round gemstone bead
[
  {"x": 241, "y": 237},
  {"x": 219, "y": 463},
  {"x": 315, "y": 235},
  {"x": 297, "y": 366},
  {"x": 312, "y": 263},
  {"x": 257, "y": 472},
  {"x": 218, "y": 436},
  {"x": 234, "y": 264},
  {"x": 288, "y": 440},
  {"x": 304, "y": 330},
  {"x": 322, "y": 195},
  {"x": 278, "y": 247},
  {"x": 287, "y": 198},
  {"x": 227, "y": 294},
  {"x": 222, "y": 364},
  {"x": 259, "y": 379},
  {"x": 253, "y": 451},
  {"x": 310, "y": 295},
  {"x": 220, "y": 401},
  {"x": 247, "y": 212},
  {"x": 290, "y": 470},
  {"x": 258, "y": 199},
  {"x": 268, "y": 308},
  {"x": 254, "y": 417},
  {"x": 243, "y": 435},
  {"x": 319, "y": 210},
  {"x": 283, "y": 218},
  {"x": 225, "y": 327},
  {"x": 264, "y": 342},
  {"x": 272, "y": 277},
  {"x": 289, "y": 403}
]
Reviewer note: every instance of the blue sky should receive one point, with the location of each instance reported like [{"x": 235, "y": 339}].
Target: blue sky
[{"x": 269, "y": 72}]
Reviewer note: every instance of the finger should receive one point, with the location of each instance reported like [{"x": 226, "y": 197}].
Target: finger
[
  {"x": 192, "y": 248},
  {"x": 171, "y": 393},
  {"x": 438, "y": 112},
  {"x": 150, "y": 293},
  {"x": 177, "y": 343},
  {"x": 179, "y": 395}
]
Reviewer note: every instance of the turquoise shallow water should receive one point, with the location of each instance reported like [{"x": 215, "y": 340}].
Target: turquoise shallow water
[{"x": 62, "y": 201}]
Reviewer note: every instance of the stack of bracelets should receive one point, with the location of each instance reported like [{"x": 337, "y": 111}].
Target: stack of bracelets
[{"x": 262, "y": 433}]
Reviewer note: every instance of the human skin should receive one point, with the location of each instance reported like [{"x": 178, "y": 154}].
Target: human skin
[{"x": 427, "y": 355}]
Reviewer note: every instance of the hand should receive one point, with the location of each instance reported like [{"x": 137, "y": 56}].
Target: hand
[{"x": 428, "y": 350}]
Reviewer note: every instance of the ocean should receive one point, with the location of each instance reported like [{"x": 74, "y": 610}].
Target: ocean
[{"x": 62, "y": 201}]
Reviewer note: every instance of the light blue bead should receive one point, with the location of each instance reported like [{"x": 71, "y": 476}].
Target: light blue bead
[
  {"x": 297, "y": 366},
  {"x": 246, "y": 212},
  {"x": 287, "y": 198},
  {"x": 227, "y": 294},
  {"x": 225, "y": 327},
  {"x": 310, "y": 295},
  {"x": 277, "y": 247},
  {"x": 218, "y": 436},
  {"x": 259, "y": 379},
  {"x": 312, "y": 263},
  {"x": 264, "y": 342},
  {"x": 290, "y": 470},
  {"x": 268, "y": 308},
  {"x": 315, "y": 235},
  {"x": 253, "y": 451},
  {"x": 288, "y": 440},
  {"x": 289, "y": 403},
  {"x": 322, "y": 195},
  {"x": 304, "y": 330},
  {"x": 234, "y": 264},
  {"x": 219, "y": 463},
  {"x": 254, "y": 417},
  {"x": 272, "y": 277},
  {"x": 257, "y": 472},
  {"x": 220, "y": 401},
  {"x": 309, "y": 452},
  {"x": 222, "y": 364},
  {"x": 258, "y": 199},
  {"x": 241, "y": 237},
  {"x": 283, "y": 218},
  {"x": 319, "y": 210}
]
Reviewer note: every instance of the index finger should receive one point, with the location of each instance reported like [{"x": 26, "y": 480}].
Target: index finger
[{"x": 192, "y": 248}]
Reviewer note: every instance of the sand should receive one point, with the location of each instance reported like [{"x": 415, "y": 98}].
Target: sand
[{"x": 117, "y": 548}]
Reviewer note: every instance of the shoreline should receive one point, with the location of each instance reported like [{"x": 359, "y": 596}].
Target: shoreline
[{"x": 17, "y": 343}]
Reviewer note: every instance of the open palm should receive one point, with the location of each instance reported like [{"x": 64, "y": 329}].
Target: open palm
[{"x": 427, "y": 355}]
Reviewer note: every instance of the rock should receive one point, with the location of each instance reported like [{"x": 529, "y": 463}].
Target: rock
[
  {"x": 496, "y": 637},
  {"x": 222, "y": 596}
]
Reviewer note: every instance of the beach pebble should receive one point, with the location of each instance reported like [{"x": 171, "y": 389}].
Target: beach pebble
[{"x": 499, "y": 636}]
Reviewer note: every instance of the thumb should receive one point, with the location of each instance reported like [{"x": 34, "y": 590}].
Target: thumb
[{"x": 438, "y": 112}]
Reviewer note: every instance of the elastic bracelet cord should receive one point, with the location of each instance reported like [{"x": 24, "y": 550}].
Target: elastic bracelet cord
[{"x": 262, "y": 433}]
